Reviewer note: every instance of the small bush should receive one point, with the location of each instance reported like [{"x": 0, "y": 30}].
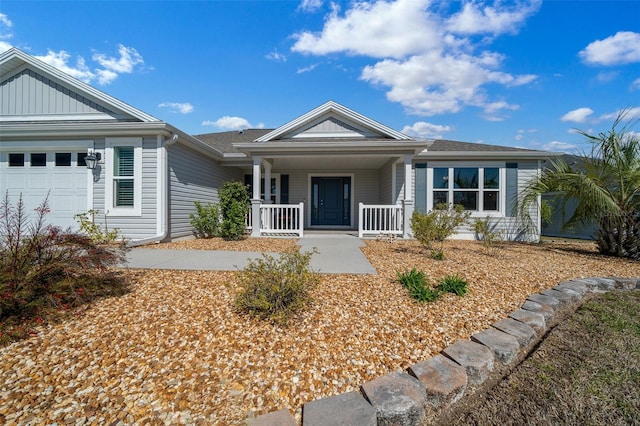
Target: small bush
[
  {"x": 234, "y": 206},
  {"x": 418, "y": 286},
  {"x": 488, "y": 233},
  {"x": 206, "y": 220},
  {"x": 44, "y": 269},
  {"x": 437, "y": 254},
  {"x": 275, "y": 289},
  {"x": 453, "y": 284},
  {"x": 437, "y": 225},
  {"x": 95, "y": 231}
]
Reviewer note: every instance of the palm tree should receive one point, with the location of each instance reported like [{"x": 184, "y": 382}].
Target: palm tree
[{"x": 606, "y": 187}]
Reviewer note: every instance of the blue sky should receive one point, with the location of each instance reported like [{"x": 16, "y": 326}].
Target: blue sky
[{"x": 515, "y": 73}]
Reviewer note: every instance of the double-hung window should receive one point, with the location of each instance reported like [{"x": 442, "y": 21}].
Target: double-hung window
[
  {"x": 475, "y": 188},
  {"x": 123, "y": 165}
]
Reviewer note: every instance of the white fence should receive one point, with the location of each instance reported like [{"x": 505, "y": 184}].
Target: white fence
[
  {"x": 280, "y": 219},
  {"x": 379, "y": 219}
]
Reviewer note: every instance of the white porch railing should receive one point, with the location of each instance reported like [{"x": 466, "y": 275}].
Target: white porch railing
[
  {"x": 379, "y": 219},
  {"x": 248, "y": 221},
  {"x": 282, "y": 219}
]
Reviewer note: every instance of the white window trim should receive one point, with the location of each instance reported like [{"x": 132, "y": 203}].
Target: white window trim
[
  {"x": 112, "y": 210},
  {"x": 502, "y": 203}
]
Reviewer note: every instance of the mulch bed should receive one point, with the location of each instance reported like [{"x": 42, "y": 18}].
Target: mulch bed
[{"x": 173, "y": 350}]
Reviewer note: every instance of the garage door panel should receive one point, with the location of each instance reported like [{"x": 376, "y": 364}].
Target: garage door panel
[
  {"x": 38, "y": 180},
  {"x": 66, "y": 187}
]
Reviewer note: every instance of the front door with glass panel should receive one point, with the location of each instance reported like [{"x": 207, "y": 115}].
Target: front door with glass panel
[{"x": 331, "y": 201}]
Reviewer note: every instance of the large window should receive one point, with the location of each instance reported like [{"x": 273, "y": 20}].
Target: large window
[
  {"x": 123, "y": 166},
  {"x": 475, "y": 188}
]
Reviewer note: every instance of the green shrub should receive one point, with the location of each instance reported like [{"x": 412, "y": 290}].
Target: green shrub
[
  {"x": 453, "y": 284},
  {"x": 94, "y": 230},
  {"x": 438, "y": 224},
  {"x": 437, "y": 254},
  {"x": 488, "y": 233},
  {"x": 418, "y": 286},
  {"x": 234, "y": 206},
  {"x": 44, "y": 269},
  {"x": 276, "y": 288},
  {"x": 206, "y": 220}
]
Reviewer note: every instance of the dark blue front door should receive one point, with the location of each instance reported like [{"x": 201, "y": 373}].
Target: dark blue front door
[{"x": 331, "y": 201}]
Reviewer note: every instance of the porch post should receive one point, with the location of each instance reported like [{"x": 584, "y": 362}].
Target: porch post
[
  {"x": 407, "y": 203},
  {"x": 408, "y": 177},
  {"x": 267, "y": 182},
  {"x": 255, "y": 199}
]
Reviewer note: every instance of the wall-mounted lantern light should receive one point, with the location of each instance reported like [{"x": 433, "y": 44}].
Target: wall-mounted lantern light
[{"x": 92, "y": 159}]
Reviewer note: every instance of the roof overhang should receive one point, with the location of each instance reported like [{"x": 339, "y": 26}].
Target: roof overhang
[
  {"x": 293, "y": 148},
  {"x": 486, "y": 155},
  {"x": 49, "y": 131}
]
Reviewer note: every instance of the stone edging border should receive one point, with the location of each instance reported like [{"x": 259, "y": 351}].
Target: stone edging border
[{"x": 430, "y": 390}]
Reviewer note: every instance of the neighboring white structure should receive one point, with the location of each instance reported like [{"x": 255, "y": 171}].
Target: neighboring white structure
[{"x": 330, "y": 168}]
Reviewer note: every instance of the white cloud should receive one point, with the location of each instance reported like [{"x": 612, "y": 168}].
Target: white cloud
[
  {"x": 181, "y": 107},
  {"x": 423, "y": 57},
  {"x": 378, "y": 29},
  {"x": 424, "y": 130},
  {"x": 521, "y": 132},
  {"x": 5, "y": 21},
  {"x": 605, "y": 77},
  {"x": 635, "y": 85},
  {"x": 579, "y": 115},
  {"x": 621, "y": 48},
  {"x": 276, "y": 56},
  {"x": 474, "y": 18},
  {"x": 629, "y": 114},
  {"x": 306, "y": 69},
  {"x": 231, "y": 123},
  {"x": 5, "y": 32},
  {"x": 112, "y": 67},
  {"x": 310, "y": 5},
  {"x": 60, "y": 60},
  {"x": 559, "y": 147}
]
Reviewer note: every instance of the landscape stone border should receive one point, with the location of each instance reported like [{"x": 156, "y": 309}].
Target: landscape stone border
[{"x": 430, "y": 390}]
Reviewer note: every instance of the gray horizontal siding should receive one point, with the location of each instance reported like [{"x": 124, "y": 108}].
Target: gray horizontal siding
[
  {"x": 192, "y": 177},
  {"x": 133, "y": 227},
  {"x": 29, "y": 93}
]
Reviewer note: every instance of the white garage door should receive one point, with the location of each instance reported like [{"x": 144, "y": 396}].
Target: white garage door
[{"x": 60, "y": 173}]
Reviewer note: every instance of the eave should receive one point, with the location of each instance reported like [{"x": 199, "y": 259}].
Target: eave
[
  {"x": 334, "y": 147},
  {"x": 486, "y": 155}
]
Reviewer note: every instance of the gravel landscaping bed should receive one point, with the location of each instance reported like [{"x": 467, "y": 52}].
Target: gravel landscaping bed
[
  {"x": 277, "y": 245},
  {"x": 173, "y": 350}
]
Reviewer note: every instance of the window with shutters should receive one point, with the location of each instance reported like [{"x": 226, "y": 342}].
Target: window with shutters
[
  {"x": 478, "y": 187},
  {"x": 123, "y": 165}
]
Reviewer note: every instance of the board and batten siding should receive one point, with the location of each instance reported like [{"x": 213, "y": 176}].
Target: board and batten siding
[
  {"x": 29, "y": 93},
  {"x": 192, "y": 177}
]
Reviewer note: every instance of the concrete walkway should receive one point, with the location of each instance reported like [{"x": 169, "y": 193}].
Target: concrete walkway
[{"x": 337, "y": 254}]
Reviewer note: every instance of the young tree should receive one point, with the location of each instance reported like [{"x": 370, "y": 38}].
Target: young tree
[{"x": 606, "y": 187}]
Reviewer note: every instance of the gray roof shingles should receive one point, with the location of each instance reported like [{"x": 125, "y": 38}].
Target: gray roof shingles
[{"x": 224, "y": 141}]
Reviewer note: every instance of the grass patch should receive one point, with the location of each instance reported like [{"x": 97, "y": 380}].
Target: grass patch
[{"x": 586, "y": 372}]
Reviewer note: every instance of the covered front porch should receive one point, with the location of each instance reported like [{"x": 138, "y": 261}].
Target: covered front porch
[
  {"x": 331, "y": 168},
  {"x": 370, "y": 194}
]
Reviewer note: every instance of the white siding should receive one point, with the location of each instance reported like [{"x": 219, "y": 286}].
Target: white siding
[{"x": 192, "y": 177}]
